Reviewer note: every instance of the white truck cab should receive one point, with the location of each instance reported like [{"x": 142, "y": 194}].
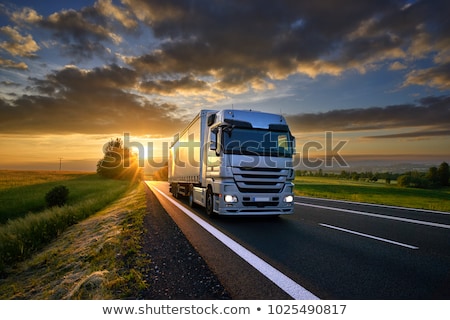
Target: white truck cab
[{"x": 235, "y": 162}]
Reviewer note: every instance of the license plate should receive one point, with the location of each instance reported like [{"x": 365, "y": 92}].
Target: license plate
[{"x": 261, "y": 199}]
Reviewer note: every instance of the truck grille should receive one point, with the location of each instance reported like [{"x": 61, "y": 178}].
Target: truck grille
[{"x": 260, "y": 180}]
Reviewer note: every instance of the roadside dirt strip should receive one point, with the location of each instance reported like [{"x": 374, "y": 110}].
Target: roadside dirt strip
[{"x": 176, "y": 270}]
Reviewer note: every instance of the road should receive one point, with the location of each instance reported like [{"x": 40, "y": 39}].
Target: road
[{"x": 330, "y": 249}]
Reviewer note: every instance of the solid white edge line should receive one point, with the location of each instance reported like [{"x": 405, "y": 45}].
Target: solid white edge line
[
  {"x": 288, "y": 285},
  {"x": 369, "y": 236},
  {"x": 425, "y": 223},
  {"x": 376, "y": 205}
]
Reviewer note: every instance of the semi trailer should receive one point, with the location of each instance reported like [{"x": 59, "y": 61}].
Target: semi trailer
[{"x": 234, "y": 162}]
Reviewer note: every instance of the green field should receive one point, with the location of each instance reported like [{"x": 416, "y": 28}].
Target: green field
[
  {"x": 373, "y": 192},
  {"x": 25, "y": 191},
  {"x": 26, "y": 225}
]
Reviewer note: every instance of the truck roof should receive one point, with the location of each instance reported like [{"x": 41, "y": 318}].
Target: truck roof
[{"x": 257, "y": 119}]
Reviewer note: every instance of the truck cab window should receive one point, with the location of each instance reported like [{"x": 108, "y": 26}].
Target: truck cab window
[{"x": 258, "y": 142}]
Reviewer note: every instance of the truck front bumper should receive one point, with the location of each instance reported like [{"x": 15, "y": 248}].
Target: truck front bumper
[{"x": 232, "y": 202}]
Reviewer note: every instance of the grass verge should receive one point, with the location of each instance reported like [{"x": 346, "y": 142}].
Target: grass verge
[
  {"x": 370, "y": 192},
  {"x": 22, "y": 236},
  {"x": 97, "y": 258}
]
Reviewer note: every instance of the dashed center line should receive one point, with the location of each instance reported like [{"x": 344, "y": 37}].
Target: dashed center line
[
  {"x": 369, "y": 236},
  {"x": 425, "y": 223}
]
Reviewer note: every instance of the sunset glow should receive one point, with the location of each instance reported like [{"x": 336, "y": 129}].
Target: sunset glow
[{"x": 75, "y": 74}]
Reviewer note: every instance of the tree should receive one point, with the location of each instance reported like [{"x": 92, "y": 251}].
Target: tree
[
  {"x": 387, "y": 176},
  {"x": 433, "y": 177},
  {"x": 443, "y": 174},
  {"x": 119, "y": 162},
  {"x": 355, "y": 176},
  {"x": 404, "y": 180},
  {"x": 414, "y": 179},
  {"x": 344, "y": 174}
]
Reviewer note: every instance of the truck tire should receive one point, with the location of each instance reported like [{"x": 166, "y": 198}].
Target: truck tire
[
  {"x": 191, "y": 196},
  {"x": 210, "y": 203},
  {"x": 175, "y": 190}
]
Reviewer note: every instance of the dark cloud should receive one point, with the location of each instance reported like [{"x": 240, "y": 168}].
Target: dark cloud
[
  {"x": 438, "y": 76},
  {"x": 102, "y": 100},
  {"x": 238, "y": 42},
  {"x": 96, "y": 101},
  {"x": 214, "y": 48},
  {"x": 430, "y": 112},
  {"x": 413, "y": 134},
  {"x": 72, "y": 80},
  {"x": 82, "y": 33},
  {"x": 188, "y": 85}
]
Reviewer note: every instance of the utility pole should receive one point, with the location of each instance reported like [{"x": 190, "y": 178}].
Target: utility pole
[{"x": 60, "y": 163}]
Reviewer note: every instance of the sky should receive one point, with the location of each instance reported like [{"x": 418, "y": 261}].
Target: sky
[{"x": 76, "y": 74}]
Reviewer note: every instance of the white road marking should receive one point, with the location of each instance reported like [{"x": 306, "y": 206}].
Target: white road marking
[
  {"x": 369, "y": 236},
  {"x": 288, "y": 285},
  {"x": 425, "y": 223},
  {"x": 376, "y": 205}
]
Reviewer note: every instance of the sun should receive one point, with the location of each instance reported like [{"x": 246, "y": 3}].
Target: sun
[
  {"x": 141, "y": 152},
  {"x": 149, "y": 151}
]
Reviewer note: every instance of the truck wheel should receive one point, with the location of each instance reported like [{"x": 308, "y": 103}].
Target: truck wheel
[
  {"x": 175, "y": 190},
  {"x": 210, "y": 203},
  {"x": 191, "y": 196}
]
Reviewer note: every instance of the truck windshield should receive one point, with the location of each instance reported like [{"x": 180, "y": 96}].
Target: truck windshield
[{"x": 258, "y": 142}]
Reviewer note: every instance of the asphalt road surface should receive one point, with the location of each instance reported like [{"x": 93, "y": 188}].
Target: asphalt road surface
[{"x": 327, "y": 249}]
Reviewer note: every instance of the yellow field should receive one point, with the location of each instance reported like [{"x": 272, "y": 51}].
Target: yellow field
[{"x": 16, "y": 178}]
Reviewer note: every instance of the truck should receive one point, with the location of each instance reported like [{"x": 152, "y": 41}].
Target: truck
[{"x": 234, "y": 162}]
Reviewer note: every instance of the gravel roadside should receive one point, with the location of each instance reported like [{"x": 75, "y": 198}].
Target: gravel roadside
[{"x": 176, "y": 270}]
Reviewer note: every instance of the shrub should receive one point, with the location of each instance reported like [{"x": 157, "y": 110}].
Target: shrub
[{"x": 57, "y": 196}]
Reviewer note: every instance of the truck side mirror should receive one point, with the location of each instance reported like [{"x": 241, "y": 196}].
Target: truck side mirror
[
  {"x": 293, "y": 144},
  {"x": 213, "y": 142},
  {"x": 216, "y": 138}
]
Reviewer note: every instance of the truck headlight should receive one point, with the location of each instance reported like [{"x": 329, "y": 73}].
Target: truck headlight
[
  {"x": 288, "y": 199},
  {"x": 229, "y": 198}
]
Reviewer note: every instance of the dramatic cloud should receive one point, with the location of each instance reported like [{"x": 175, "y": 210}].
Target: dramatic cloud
[
  {"x": 433, "y": 77},
  {"x": 26, "y": 15},
  {"x": 82, "y": 33},
  {"x": 239, "y": 43},
  {"x": 6, "y": 63},
  {"x": 431, "y": 113},
  {"x": 108, "y": 9},
  {"x": 187, "y": 84},
  {"x": 413, "y": 134},
  {"x": 19, "y": 45},
  {"x": 213, "y": 51},
  {"x": 79, "y": 101}
]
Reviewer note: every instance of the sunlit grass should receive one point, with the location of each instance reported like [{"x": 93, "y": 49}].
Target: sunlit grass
[
  {"x": 16, "y": 178},
  {"x": 28, "y": 225},
  {"x": 89, "y": 260},
  {"x": 373, "y": 192}
]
